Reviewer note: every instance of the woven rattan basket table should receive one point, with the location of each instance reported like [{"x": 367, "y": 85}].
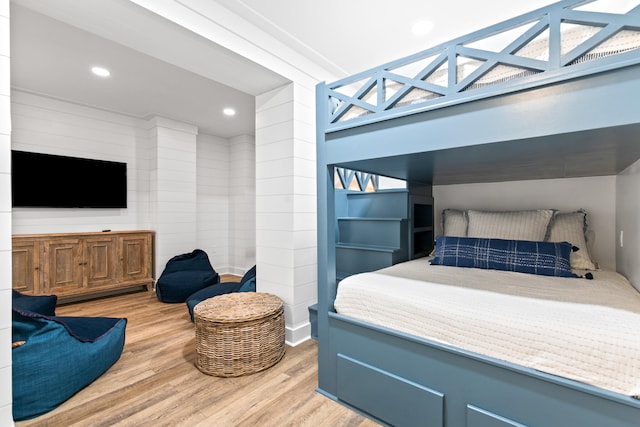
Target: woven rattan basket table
[{"x": 239, "y": 333}]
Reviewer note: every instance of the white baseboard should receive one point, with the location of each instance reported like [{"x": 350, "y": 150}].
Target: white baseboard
[{"x": 298, "y": 335}]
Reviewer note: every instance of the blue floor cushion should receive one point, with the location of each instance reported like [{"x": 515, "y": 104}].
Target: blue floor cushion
[
  {"x": 57, "y": 356},
  {"x": 246, "y": 284},
  {"x": 42, "y": 304},
  {"x": 185, "y": 274}
]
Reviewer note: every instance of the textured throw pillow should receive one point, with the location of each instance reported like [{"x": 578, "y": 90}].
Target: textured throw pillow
[
  {"x": 454, "y": 223},
  {"x": 571, "y": 227},
  {"x": 516, "y": 225},
  {"x": 543, "y": 258},
  {"x": 40, "y": 304}
]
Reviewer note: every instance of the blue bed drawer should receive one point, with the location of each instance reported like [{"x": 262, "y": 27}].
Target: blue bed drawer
[
  {"x": 393, "y": 399},
  {"x": 478, "y": 417}
]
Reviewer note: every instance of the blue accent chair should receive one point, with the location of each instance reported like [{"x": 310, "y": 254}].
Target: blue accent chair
[
  {"x": 185, "y": 274},
  {"x": 246, "y": 284},
  {"x": 54, "y": 357}
]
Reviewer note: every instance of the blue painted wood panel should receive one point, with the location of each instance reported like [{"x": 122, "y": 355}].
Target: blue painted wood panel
[
  {"x": 394, "y": 400},
  {"x": 508, "y": 391},
  {"x": 379, "y": 204},
  {"x": 568, "y": 130}
]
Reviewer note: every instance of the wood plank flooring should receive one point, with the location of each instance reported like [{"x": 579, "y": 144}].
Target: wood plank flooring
[{"x": 155, "y": 382}]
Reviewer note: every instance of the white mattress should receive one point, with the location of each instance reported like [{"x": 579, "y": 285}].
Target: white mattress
[{"x": 585, "y": 330}]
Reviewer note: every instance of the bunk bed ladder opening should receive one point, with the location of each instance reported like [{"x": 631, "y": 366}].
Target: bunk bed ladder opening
[
  {"x": 382, "y": 228},
  {"x": 377, "y": 229}
]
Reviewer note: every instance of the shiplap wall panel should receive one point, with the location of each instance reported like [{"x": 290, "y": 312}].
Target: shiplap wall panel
[
  {"x": 276, "y": 276},
  {"x": 47, "y": 125},
  {"x": 6, "y": 416},
  {"x": 305, "y": 224},
  {"x": 213, "y": 207},
  {"x": 174, "y": 202},
  {"x": 243, "y": 202},
  {"x": 285, "y": 203}
]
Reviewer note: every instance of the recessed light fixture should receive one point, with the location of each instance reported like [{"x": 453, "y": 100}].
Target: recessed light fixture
[
  {"x": 229, "y": 112},
  {"x": 422, "y": 27},
  {"x": 100, "y": 71}
]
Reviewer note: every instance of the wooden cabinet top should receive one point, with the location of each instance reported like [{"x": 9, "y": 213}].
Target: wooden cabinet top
[{"x": 85, "y": 233}]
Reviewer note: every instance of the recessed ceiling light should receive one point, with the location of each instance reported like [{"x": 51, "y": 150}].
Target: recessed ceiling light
[
  {"x": 229, "y": 112},
  {"x": 100, "y": 71},
  {"x": 422, "y": 28}
]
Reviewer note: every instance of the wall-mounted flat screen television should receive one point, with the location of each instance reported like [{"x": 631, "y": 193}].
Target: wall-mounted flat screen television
[{"x": 51, "y": 181}]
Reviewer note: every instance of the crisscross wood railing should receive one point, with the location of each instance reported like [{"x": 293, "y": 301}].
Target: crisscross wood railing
[
  {"x": 356, "y": 180},
  {"x": 566, "y": 40}
]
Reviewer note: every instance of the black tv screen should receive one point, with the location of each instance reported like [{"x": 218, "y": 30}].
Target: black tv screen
[{"x": 46, "y": 180}]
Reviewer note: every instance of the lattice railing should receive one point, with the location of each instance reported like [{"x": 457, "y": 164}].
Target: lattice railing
[
  {"x": 355, "y": 180},
  {"x": 565, "y": 40}
]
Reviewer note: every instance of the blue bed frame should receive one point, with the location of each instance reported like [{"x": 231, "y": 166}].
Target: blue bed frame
[{"x": 563, "y": 118}]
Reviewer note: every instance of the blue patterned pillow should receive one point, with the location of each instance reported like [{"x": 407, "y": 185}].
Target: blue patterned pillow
[{"x": 523, "y": 256}]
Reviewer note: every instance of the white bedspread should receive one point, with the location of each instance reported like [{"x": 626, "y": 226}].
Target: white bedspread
[{"x": 585, "y": 330}]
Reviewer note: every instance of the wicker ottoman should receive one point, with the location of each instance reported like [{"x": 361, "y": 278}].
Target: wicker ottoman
[{"x": 239, "y": 333}]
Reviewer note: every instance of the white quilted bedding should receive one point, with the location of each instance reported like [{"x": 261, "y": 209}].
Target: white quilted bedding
[{"x": 585, "y": 330}]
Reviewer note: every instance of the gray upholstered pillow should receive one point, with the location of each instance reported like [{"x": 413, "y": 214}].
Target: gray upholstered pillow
[
  {"x": 516, "y": 225},
  {"x": 571, "y": 227},
  {"x": 454, "y": 223}
]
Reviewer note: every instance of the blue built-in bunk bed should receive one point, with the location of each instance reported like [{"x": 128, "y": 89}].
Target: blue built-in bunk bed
[{"x": 476, "y": 339}]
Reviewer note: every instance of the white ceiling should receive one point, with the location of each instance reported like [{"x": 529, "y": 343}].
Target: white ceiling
[
  {"x": 357, "y": 35},
  {"x": 54, "y": 43}
]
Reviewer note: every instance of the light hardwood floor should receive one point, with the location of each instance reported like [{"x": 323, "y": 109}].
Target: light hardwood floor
[{"x": 155, "y": 382}]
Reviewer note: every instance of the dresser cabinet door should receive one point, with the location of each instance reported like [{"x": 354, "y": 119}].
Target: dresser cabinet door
[
  {"x": 25, "y": 257},
  {"x": 100, "y": 261},
  {"x": 64, "y": 266},
  {"x": 135, "y": 257}
]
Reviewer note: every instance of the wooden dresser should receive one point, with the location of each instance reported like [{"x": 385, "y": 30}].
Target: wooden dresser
[{"x": 78, "y": 265}]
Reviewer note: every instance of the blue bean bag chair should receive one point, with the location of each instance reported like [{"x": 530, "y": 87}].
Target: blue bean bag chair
[
  {"x": 246, "y": 284},
  {"x": 185, "y": 274},
  {"x": 54, "y": 357}
]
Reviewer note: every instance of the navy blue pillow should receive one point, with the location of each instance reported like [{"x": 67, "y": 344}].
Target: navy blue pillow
[
  {"x": 41, "y": 304},
  {"x": 523, "y": 256}
]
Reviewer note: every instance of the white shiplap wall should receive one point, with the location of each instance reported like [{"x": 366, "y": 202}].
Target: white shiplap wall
[
  {"x": 242, "y": 196},
  {"x": 47, "y": 125},
  {"x": 178, "y": 181},
  {"x": 173, "y": 188},
  {"x": 213, "y": 204},
  {"x": 286, "y": 203},
  {"x": 6, "y": 417}
]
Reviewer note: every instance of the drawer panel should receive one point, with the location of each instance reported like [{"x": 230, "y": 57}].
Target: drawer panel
[
  {"x": 478, "y": 417},
  {"x": 393, "y": 399}
]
